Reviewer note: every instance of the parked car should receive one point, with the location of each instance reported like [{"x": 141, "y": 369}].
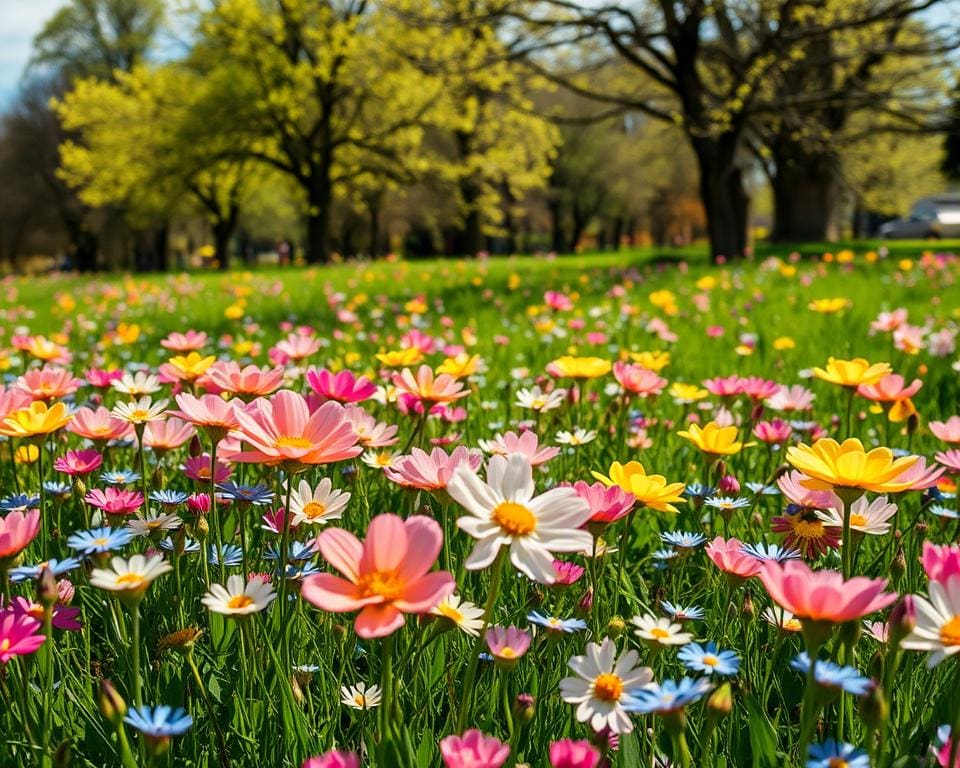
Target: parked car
[{"x": 930, "y": 218}]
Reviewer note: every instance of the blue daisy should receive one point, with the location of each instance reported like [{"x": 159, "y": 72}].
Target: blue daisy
[
  {"x": 169, "y": 498},
  {"x": 708, "y": 660},
  {"x": 99, "y": 540},
  {"x": 832, "y": 753},
  {"x": 683, "y": 539},
  {"x": 770, "y": 552},
  {"x": 159, "y": 722},
  {"x": 251, "y": 494},
  {"x": 552, "y": 623},
  {"x": 19, "y": 502},
  {"x": 678, "y": 612},
  {"x": 30, "y": 572},
  {"x": 228, "y": 555},
  {"x": 830, "y": 675},
  {"x": 666, "y": 697},
  {"x": 725, "y": 503},
  {"x": 120, "y": 477}
]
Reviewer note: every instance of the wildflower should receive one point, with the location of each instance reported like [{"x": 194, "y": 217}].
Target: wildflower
[
  {"x": 153, "y": 523},
  {"x": 865, "y": 516},
  {"x": 80, "y": 463},
  {"x": 120, "y": 477},
  {"x": 370, "y": 432},
  {"x": 427, "y": 387},
  {"x": 830, "y": 675},
  {"x": 791, "y": 398},
  {"x": 948, "y": 431},
  {"x": 775, "y": 432},
  {"x": 637, "y": 380},
  {"x": 431, "y": 471},
  {"x": 607, "y": 503},
  {"x": 239, "y": 598},
  {"x": 63, "y": 617},
  {"x": 725, "y": 504},
  {"x": 504, "y": 512},
  {"x": 140, "y": 411},
  {"x": 361, "y": 696},
  {"x": 713, "y": 440},
  {"x": 211, "y": 413},
  {"x": 553, "y": 624},
  {"x": 463, "y": 614},
  {"x": 246, "y": 383},
  {"x": 683, "y": 539},
  {"x": 770, "y": 553},
  {"x": 317, "y": 505},
  {"x": 48, "y": 383},
  {"x": 833, "y": 753},
  {"x": 33, "y": 572},
  {"x": 198, "y": 468},
  {"x": 579, "y": 367},
  {"x": 386, "y": 576},
  {"x": 782, "y": 619},
  {"x": 852, "y": 373},
  {"x": 100, "y": 540},
  {"x": 651, "y": 491},
  {"x": 679, "y": 613},
  {"x": 333, "y": 759},
  {"x": 17, "y": 530},
  {"x": 566, "y": 573},
  {"x": 189, "y": 367},
  {"x": 159, "y": 722},
  {"x": 137, "y": 384},
  {"x": 227, "y": 555},
  {"x": 343, "y": 387},
  {"x": 20, "y": 635},
  {"x": 507, "y": 644},
  {"x": 115, "y": 501},
  {"x": 537, "y": 400},
  {"x": 667, "y": 697},
  {"x": 686, "y": 394},
  {"x": 36, "y": 420},
  {"x": 526, "y": 444},
  {"x": 570, "y": 753},
  {"x": 659, "y": 631},
  {"x": 848, "y": 465},
  {"x": 940, "y": 562},
  {"x": 462, "y": 365},
  {"x": 600, "y": 685},
  {"x": 98, "y": 425},
  {"x": 129, "y": 578},
  {"x": 577, "y": 437},
  {"x": 708, "y": 660},
  {"x": 729, "y": 557},
  {"x": 473, "y": 750},
  {"x": 937, "y": 630},
  {"x": 184, "y": 342}
]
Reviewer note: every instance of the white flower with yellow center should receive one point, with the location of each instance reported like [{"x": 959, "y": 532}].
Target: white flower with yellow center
[
  {"x": 378, "y": 459},
  {"x": 537, "y": 400},
  {"x": 660, "y": 631},
  {"x": 140, "y": 411},
  {"x": 144, "y": 526},
  {"x": 782, "y": 618},
  {"x": 316, "y": 506},
  {"x": 361, "y": 696},
  {"x": 601, "y": 682},
  {"x": 577, "y": 437},
  {"x": 503, "y": 512},
  {"x": 129, "y": 578},
  {"x": 938, "y": 622},
  {"x": 865, "y": 516},
  {"x": 137, "y": 384},
  {"x": 464, "y": 614},
  {"x": 239, "y": 598}
]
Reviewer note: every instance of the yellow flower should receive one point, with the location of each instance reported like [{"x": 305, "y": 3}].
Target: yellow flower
[
  {"x": 192, "y": 366},
  {"x": 400, "y": 357},
  {"x": 664, "y": 300},
  {"x": 830, "y": 464},
  {"x": 620, "y": 474},
  {"x": 706, "y": 283},
  {"x": 127, "y": 333},
  {"x": 846, "y": 256},
  {"x": 579, "y": 367},
  {"x": 905, "y": 265},
  {"x": 234, "y": 311},
  {"x": 26, "y": 454},
  {"x": 416, "y": 306},
  {"x": 687, "y": 393},
  {"x": 513, "y": 282},
  {"x": 902, "y": 410},
  {"x": 654, "y": 361},
  {"x": 651, "y": 491},
  {"x": 36, "y": 419},
  {"x": 461, "y": 366},
  {"x": 42, "y": 348},
  {"x": 784, "y": 342},
  {"x": 713, "y": 439},
  {"x": 829, "y": 306},
  {"x": 852, "y": 373}
]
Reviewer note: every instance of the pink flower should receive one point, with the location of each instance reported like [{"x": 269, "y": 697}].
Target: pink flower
[
  {"x": 101, "y": 379},
  {"x": 823, "y": 595},
  {"x": 333, "y": 759},
  {"x": 211, "y": 413},
  {"x": 282, "y": 430},
  {"x": 792, "y": 487},
  {"x": 569, "y": 753},
  {"x": 729, "y": 386},
  {"x": 162, "y": 436},
  {"x": 429, "y": 388},
  {"x": 950, "y": 460},
  {"x": 115, "y": 501},
  {"x": 98, "y": 425},
  {"x": 890, "y": 389},
  {"x": 296, "y": 347},
  {"x": 526, "y": 443},
  {"x": 473, "y": 750},
  {"x": 79, "y": 462},
  {"x": 431, "y": 471},
  {"x": 191, "y": 341},
  {"x": 370, "y": 432},
  {"x": 417, "y": 339},
  {"x": 63, "y": 617},
  {"x": 566, "y": 573},
  {"x": 920, "y": 477},
  {"x": 948, "y": 431},
  {"x": 343, "y": 387},
  {"x": 638, "y": 380},
  {"x": 198, "y": 468},
  {"x": 889, "y": 321},
  {"x": 19, "y": 636},
  {"x": 607, "y": 503},
  {"x": 12, "y": 400},
  {"x": 940, "y": 562},
  {"x": 17, "y": 530},
  {"x": 48, "y": 383},
  {"x": 246, "y": 383},
  {"x": 795, "y": 398},
  {"x": 387, "y": 575},
  {"x": 757, "y": 388},
  {"x": 727, "y": 555},
  {"x": 776, "y": 431},
  {"x": 558, "y": 301},
  {"x": 507, "y": 644}
]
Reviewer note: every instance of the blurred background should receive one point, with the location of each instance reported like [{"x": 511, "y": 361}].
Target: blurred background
[{"x": 165, "y": 134}]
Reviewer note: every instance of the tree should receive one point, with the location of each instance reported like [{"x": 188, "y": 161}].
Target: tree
[{"x": 951, "y": 141}]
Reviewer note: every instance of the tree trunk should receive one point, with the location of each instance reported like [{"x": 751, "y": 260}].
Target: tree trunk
[
  {"x": 724, "y": 198},
  {"x": 222, "y": 233},
  {"x": 373, "y": 210},
  {"x": 804, "y": 194},
  {"x": 556, "y": 227},
  {"x": 319, "y": 198},
  {"x": 469, "y": 239}
]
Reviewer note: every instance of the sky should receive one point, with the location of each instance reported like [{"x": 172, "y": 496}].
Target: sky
[{"x": 20, "y": 20}]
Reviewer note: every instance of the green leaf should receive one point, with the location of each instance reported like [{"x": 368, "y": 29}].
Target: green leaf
[{"x": 763, "y": 738}]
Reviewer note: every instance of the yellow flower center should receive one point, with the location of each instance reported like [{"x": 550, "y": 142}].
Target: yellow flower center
[
  {"x": 384, "y": 459},
  {"x": 515, "y": 519},
  {"x": 36, "y": 611},
  {"x": 129, "y": 580},
  {"x": 239, "y": 601},
  {"x": 837, "y": 762},
  {"x": 808, "y": 529},
  {"x": 537, "y": 404},
  {"x": 360, "y": 701},
  {"x": 386, "y": 584},
  {"x": 792, "y": 625},
  {"x": 608, "y": 687},
  {"x": 858, "y": 520},
  {"x": 451, "y": 613},
  {"x": 710, "y": 660},
  {"x": 659, "y": 633},
  {"x": 4, "y": 644},
  {"x": 292, "y": 442},
  {"x": 507, "y": 653},
  {"x": 138, "y": 414},
  {"x": 313, "y": 510},
  {"x": 100, "y": 542},
  {"x": 950, "y": 632}
]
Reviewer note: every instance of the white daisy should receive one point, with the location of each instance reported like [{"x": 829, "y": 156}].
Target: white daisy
[
  {"x": 378, "y": 459},
  {"x": 144, "y": 526},
  {"x": 537, "y": 400},
  {"x": 137, "y": 384},
  {"x": 140, "y": 411},
  {"x": 239, "y": 598},
  {"x": 865, "y": 516},
  {"x": 319, "y": 505},
  {"x": 660, "y": 631},
  {"x": 129, "y": 578},
  {"x": 600, "y": 684},
  {"x": 579, "y": 436},
  {"x": 782, "y": 618},
  {"x": 504, "y": 512},
  {"x": 938, "y": 621},
  {"x": 361, "y": 696},
  {"x": 464, "y": 614}
]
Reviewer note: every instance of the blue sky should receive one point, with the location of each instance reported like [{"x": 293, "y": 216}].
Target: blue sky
[{"x": 20, "y": 20}]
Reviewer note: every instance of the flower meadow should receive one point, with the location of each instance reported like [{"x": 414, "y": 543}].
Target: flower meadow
[{"x": 568, "y": 513}]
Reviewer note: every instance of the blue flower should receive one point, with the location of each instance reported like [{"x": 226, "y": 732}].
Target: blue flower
[
  {"x": 770, "y": 552},
  {"x": 722, "y": 502},
  {"x": 120, "y": 477},
  {"x": 55, "y": 488},
  {"x": 29, "y": 572},
  {"x": 19, "y": 502},
  {"x": 666, "y": 697},
  {"x": 693, "y": 613},
  {"x": 251, "y": 494},
  {"x": 189, "y": 545},
  {"x": 707, "y": 659},
  {"x": 99, "y": 540},
  {"x": 229, "y": 554},
  {"x": 831, "y": 675},
  {"x": 697, "y": 491},
  {"x": 763, "y": 490},
  {"x": 169, "y": 498},
  {"x": 683, "y": 539},
  {"x": 298, "y": 572},
  {"x": 296, "y": 551},
  {"x": 941, "y": 511},
  {"x": 159, "y": 722},
  {"x": 568, "y": 626},
  {"x": 832, "y": 753}
]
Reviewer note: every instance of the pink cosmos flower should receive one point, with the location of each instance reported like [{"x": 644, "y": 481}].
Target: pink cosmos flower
[
  {"x": 774, "y": 432},
  {"x": 570, "y": 753},
  {"x": 333, "y": 759},
  {"x": 246, "y": 383},
  {"x": 98, "y": 425},
  {"x": 920, "y": 476},
  {"x": 889, "y": 321},
  {"x": 792, "y": 487},
  {"x": 19, "y": 636},
  {"x": 198, "y": 468},
  {"x": 79, "y": 462},
  {"x": 526, "y": 443},
  {"x": 191, "y": 341},
  {"x": 12, "y": 400},
  {"x": 950, "y": 460},
  {"x": 48, "y": 383},
  {"x": 473, "y": 750},
  {"x": 102, "y": 379},
  {"x": 823, "y": 595},
  {"x": 558, "y": 301},
  {"x": 940, "y": 561},
  {"x": 417, "y": 339},
  {"x": 566, "y": 573},
  {"x": 607, "y": 503},
  {"x": 948, "y": 431},
  {"x": 115, "y": 501},
  {"x": 63, "y": 616},
  {"x": 909, "y": 338},
  {"x": 296, "y": 347},
  {"x": 211, "y": 413},
  {"x": 793, "y": 398},
  {"x": 370, "y": 432},
  {"x": 429, "y": 388},
  {"x": 166, "y": 435},
  {"x": 17, "y": 530},
  {"x": 729, "y": 386},
  {"x": 728, "y": 556},
  {"x": 757, "y": 388},
  {"x": 507, "y": 644},
  {"x": 282, "y": 430},
  {"x": 637, "y": 380},
  {"x": 386, "y": 576},
  {"x": 344, "y": 387},
  {"x": 890, "y": 389},
  {"x": 431, "y": 471}
]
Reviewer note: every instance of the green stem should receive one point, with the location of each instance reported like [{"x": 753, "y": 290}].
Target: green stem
[
  {"x": 47, "y": 685},
  {"x": 135, "y": 653},
  {"x": 386, "y": 685}
]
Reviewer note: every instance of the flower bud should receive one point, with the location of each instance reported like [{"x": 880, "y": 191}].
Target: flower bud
[
  {"x": 47, "y": 593},
  {"x": 201, "y": 528},
  {"x": 616, "y": 627},
  {"x": 195, "y": 449},
  {"x": 747, "y": 610},
  {"x": 65, "y": 591},
  {"x": 850, "y": 633},
  {"x": 79, "y": 486},
  {"x": 524, "y": 707},
  {"x": 586, "y": 602},
  {"x": 111, "y": 704},
  {"x": 720, "y": 703},
  {"x": 874, "y": 708},
  {"x": 903, "y": 619},
  {"x": 728, "y": 485},
  {"x": 898, "y": 566}
]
